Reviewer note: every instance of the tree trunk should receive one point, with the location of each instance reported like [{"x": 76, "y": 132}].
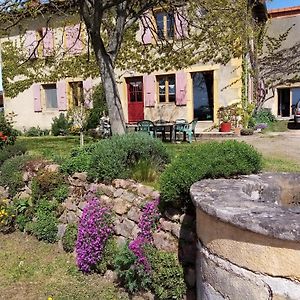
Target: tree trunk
[{"x": 115, "y": 110}]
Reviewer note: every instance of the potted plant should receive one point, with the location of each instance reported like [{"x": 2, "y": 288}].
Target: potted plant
[{"x": 225, "y": 116}]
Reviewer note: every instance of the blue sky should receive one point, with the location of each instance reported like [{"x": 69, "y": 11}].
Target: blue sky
[{"x": 282, "y": 3}]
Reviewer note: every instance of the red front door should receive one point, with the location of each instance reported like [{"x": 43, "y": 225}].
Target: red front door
[{"x": 135, "y": 99}]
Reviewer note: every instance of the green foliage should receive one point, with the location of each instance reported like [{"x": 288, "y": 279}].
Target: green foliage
[
  {"x": 108, "y": 257},
  {"x": 115, "y": 157},
  {"x": 11, "y": 173},
  {"x": 132, "y": 275},
  {"x": 167, "y": 279},
  {"x": 11, "y": 151},
  {"x": 60, "y": 125},
  {"x": 36, "y": 131},
  {"x": 79, "y": 160},
  {"x": 209, "y": 160},
  {"x": 45, "y": 225},
  {"x": 144, "y": 170},
  {"x": 99, "y": 107},
  {"x": 49, "y": 185},
  {"x": 70, "y": 237},
  {"x": 264, "y": 116},
  {"x": 7, "y": 133}
]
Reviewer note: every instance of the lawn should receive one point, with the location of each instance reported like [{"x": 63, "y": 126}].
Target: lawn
[
  {"x": 31, "y": 269},
  {"x": 58, "y": 148}
]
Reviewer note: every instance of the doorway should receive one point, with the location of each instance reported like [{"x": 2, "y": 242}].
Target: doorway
[
  {"x": 135, "y": 99},
  {"x": 203, "y": 97}
]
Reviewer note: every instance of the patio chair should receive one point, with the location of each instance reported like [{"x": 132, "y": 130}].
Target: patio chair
[
  {"x": 146, "y": 126},
  {"x": 186, "y": 128}
]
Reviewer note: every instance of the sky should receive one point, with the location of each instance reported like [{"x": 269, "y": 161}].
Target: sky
[{"x": 282, "y": 3}]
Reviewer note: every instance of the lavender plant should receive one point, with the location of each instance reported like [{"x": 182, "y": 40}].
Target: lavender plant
[{"x": 95, "y": 227}]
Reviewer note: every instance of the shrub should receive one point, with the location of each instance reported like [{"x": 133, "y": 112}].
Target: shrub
[
  {"x": 11, "y": 151},
  {"x": 209, "y": 160},
  {"x": 45, "y": 225},
  {"x": 264, "y": 116},
  {"x": 49, "y": 185},
  {"x": 60, "y": 125},
  {"x": 79, "y": 160},
  {"x": 7, "y": 133},
  {"x": 247, "y": 131},
  {"x": 11, "y": 173},
  {"x": 115, "y": 157},
  {"x": 24, "y": 212},
  {"x": 132, "y": 275},
  {"x": 70, "y": 237},
  {"x": 167, "y": 279},
  {"x": 95, "y": 227},
  {"x": 108, "y": 257},
  {"x": 99, "y": 107},
  {"x": 7, "y": 216}
]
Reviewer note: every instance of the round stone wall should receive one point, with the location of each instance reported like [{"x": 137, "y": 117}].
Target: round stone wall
[{"x": 248, "y": 237}]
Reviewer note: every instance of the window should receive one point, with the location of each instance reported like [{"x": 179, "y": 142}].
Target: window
[
  {"x": 50, "y": 96},
  {"x": 135, "y": 90},
  {"x": 166, "y": 88},
  {"x": 165, "y": 23},
  {"x": 76, "y": 93}
]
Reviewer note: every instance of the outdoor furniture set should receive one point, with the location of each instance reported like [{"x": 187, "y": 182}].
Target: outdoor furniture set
[{"x": 161, "y": 128}]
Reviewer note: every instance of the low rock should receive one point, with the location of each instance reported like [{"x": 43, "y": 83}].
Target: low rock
[
  {"x": 143, "y": 190},
  {"x": 121, "y": 240},
  {"x": 121, "y": 206},
  {"x": 82, "y": 205},
  {"x": 61, "y": 229},
  {"x": 80, "y": 176},
  {"x": 111, "y": 276},
  {"x": 69, "y": 205},
  {"x": 165, "y": 225},
  {"x": 72, "y": 217},
  {"x": 107, "y": 190},
  {"x": 3, "y": 192},
  {"x": 176, "y": 229},
  {"x": 52, "y": 168},
  {"x": 164, "y": 241},
  {"x": 134, "y": 214},
  {"x": 121, "y": 183},
  {"x": 63, "y": 218},
  {"x": 130, "y": 197},
  {"x": 118, "y": 193},
  {"x": 23, "y": 195},
  {"x": 124, "y": 227}
]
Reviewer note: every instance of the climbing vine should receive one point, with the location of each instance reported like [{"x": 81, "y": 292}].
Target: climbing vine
[{"x": 19, "y": 72}]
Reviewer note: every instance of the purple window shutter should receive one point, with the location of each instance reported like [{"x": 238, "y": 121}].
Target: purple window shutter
[
  {"x": 48, "y": 41},
  {"x": 37, "y": 97},
  {"x": 61, "y": 87},
  {"x": 87, "y": 92},
  {"x": 73, "y": 42},
  {"x": 181, "y": 25},
  {"x": 145, "y": 30},
  {"x": 149, "y": 90},
  {"x": 31, "y": 43},
  {"x": 181, "y": 88}
]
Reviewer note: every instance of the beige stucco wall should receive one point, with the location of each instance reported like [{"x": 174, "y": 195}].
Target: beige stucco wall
[
  {"x": 249, "y": 250},
  {"x": 275, "y": 27}
]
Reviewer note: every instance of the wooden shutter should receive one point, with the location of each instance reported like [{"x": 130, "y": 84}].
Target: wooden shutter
[
  {"x": 87, "y": 92},
  {"x": 48, "y": 41},
  {"x": 145, "y": 29},
  {"x": 149, "y": 88},
  {"x": 73, "y": 39},
  {"x": 181, "y": 88},
  {"x": 181, "y": 24},
  {"x": 61, "y": 95},
  {"x": 37, "y": 97},
  {"x": 31, "y": 43}
]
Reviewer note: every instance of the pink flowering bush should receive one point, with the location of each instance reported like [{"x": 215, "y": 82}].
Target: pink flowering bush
[{"x": 95, "y": 227}]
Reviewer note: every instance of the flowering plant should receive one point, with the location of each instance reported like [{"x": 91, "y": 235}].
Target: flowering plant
[
  {"x": 95, "y": 227},
  {"x": 147, "y": 223},
  {"x": 7, "y": 216},
  {"x": 7, "y": 133}
]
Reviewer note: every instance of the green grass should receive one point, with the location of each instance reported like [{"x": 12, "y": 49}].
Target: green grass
[
  {"x": 34, "y": 270},
  {"x": 278, "y": 126},
  {"x": 51, "y": 147},
  {"x": 278, "y": 164}
]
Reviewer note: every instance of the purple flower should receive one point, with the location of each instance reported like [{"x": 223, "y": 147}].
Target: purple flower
[{"x": 95, "y": 227}]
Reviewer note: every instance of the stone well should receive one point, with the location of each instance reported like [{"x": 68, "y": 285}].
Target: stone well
[{"x": 248, "y": 237}]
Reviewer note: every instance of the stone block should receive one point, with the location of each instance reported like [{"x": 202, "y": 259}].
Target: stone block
[
  {"x": 72, "y": 217},
  {"x": 231, "y": 285},
  {"x": 121, "y": 206},
  {"x": 130, "y": 197},
  {"x": 118, "y": 193},
  {"x": 134, "y": 214},
  {"x": 61, "y": 228},
  {"x": 124, "y": 227},
  {"x": 165, "y": 241},
  {"x": 165, "y": 225}
]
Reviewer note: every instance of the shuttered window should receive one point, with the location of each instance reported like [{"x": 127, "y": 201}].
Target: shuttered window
[{"x": 50, "y": 93}]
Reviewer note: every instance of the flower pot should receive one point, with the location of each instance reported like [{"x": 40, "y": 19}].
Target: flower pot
[
  {"x": 237, "y": 131},
  {"x": 225, "y": 127}
]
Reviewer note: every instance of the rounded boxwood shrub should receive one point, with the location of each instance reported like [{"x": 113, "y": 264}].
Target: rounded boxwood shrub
[
  {"x": 70, "y": 237},
  {"x": 11, "y": 151},
  {"x": 209, "y": 160}
]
